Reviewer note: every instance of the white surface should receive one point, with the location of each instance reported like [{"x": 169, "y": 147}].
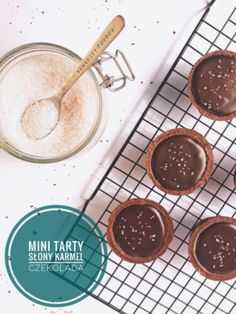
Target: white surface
[{"x": 149, "y": 41}]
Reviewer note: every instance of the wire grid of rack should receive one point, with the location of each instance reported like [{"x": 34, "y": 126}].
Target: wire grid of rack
[{"x": 170, "y": 284}]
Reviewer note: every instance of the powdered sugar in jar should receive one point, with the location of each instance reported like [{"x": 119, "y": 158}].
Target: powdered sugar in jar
[{"x": 36, "y": 71}]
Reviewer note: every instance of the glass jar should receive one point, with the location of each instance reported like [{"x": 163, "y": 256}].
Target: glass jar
[{"x": 36, "y": 71}]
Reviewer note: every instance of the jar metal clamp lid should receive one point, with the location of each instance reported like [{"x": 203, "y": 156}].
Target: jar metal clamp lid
[{"x": 122, "y": 67}]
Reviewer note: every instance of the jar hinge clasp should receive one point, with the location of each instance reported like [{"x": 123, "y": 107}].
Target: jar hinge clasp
[{"x": 114, "y": 83}]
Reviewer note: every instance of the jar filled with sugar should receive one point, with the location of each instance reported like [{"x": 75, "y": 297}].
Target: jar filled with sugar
[{"x": 38, "y": 70}]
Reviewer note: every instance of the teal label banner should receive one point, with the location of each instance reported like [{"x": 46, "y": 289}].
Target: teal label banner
[{"x": 56, "y": 255}]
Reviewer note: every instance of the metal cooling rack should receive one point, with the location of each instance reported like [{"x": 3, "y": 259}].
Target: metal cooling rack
[{"x": 170, "y": 284}]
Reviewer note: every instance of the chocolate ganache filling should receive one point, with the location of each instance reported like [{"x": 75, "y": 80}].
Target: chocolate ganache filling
[
  {"x": 216, "y": 248},
  {"x": 139, "y": 230},
  {"x": 178, "y": 162},
  {"x": 214, "y": 85}
]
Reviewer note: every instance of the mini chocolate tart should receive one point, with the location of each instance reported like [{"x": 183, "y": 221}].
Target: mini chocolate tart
[
  {"x": 212, "y": 85},
  {"x": 212, "y": 248},
  {"x": 139, "y": 230},
  {"x": 179, "y": 161}
]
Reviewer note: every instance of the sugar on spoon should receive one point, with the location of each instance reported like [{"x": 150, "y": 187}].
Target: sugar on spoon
[{"x": 32, "y": 117}]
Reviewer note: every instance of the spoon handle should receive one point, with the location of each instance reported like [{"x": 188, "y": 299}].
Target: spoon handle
[{"x": 107, "y": 36}]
